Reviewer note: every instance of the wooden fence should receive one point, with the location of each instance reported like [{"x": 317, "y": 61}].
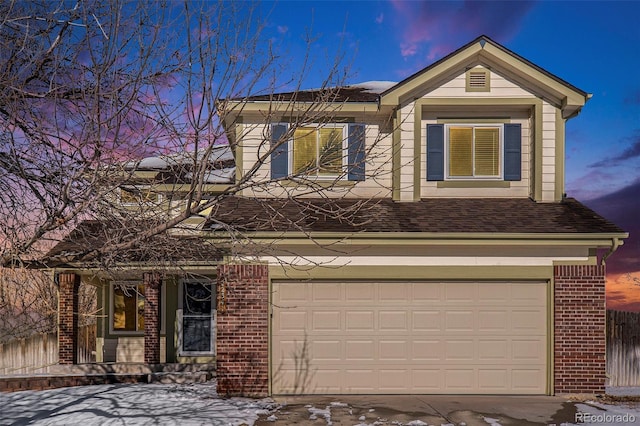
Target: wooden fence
[
  {"x": 623, "y": 348},
  {"x": 37, "y": 353}
]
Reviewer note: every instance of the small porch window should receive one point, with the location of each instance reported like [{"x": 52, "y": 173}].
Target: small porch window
[{"x": 127, "y": 307}]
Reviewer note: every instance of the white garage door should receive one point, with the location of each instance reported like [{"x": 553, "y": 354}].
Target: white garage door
[{"x": 409, "y": 337}]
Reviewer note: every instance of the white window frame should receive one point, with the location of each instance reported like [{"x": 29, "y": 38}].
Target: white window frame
[
  {"x": 136, "y": 332},
  {"x": 345, "y": 151},
  {"x": 180, "y": 316},
  {"x": 500, "y": 176}
]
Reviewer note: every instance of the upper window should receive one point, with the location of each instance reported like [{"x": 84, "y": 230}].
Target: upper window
[
  {"x": 319, "y": 151},
  {"x": 474, "y": 151}
]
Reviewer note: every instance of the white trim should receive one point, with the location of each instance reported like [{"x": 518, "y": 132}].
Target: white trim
[
  {"x": 334, "y": 261},
  {"x": 345, "y": 150},
  {"x": 473, "y": 126},
  {"x": 179, "y": 318}
]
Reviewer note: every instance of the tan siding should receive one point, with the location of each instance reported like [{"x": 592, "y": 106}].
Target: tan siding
[
  {"x": 407, "y": 154},
  {"x": 548, "y": 152},
  {"x": 378, "y": 165},
  {"x": 500, "y": 87},
  {"x": 518, "y": 189}
]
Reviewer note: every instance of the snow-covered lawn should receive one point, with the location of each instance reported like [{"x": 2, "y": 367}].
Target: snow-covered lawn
[
  {"x": 199, "y": 404},
  {"x": 133, "y": 404}
]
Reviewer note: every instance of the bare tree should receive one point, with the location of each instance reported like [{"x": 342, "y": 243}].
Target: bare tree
[{"x": 114, "y": 131}]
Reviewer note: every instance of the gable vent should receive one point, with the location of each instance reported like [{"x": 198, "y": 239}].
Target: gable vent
[{"x": 478, "y": 80}]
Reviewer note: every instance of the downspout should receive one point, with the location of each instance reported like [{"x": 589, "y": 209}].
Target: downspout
[{"x": 615, "y": 244}]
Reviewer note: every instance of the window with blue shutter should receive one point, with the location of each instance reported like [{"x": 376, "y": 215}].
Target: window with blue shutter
[
  {"x": 435, "y": 152},
  {"x": 280, "y": 155},
  {"x": 512, "y": 152}
]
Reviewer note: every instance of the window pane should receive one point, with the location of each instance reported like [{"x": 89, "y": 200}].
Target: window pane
[
  {"x": 304, "y": 149},
  {"x": 487, "y": 156},
  {"x": 141, "y": 307},
  {"x": 330, "y": 155},
  {"x": 196, "y": 299},
  {"x": 460, "y": 151},
  {"x": 125, "y": 308},
  {"x": 196, "y": 334}
]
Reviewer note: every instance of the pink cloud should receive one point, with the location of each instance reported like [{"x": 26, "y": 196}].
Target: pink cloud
[
  {"x": 380, "y": 18},
  {"x": 429, "y": 30}
]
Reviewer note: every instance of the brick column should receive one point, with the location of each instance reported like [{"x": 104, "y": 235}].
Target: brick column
[
  {"x": 152, "y": 284},
  {"x": 68, "y": 285},
  {"x": 242, "y": 337},
  {"x": 580, "y": 324}
]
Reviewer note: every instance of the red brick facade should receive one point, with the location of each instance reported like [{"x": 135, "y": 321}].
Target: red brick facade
[
  {"x": 580, "y": 340},
  {"x": 152, "y": 284},
  {"x": 242, "y": 337},
  {"x": 69, "y": 283}
]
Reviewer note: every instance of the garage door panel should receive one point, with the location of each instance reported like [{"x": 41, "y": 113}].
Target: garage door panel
[
  {"x": 408, "y": 337},
  {"x": 360, "y": 350}
]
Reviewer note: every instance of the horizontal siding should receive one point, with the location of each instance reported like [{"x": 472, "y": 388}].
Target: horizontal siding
[
  {"x": 500, "y": 87},
  {"x": 517, "y": 189},
  {"x": 378, "y": 164},
  {"x": 548, "y": 152}
]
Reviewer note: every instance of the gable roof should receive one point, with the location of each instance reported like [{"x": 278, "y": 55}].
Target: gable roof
[{"x": 490, "y": 54}]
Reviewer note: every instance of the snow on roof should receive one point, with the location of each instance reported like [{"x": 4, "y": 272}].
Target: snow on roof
[
  {"x": 374, "y": 86},
  {"x": 220, "y": 153}
]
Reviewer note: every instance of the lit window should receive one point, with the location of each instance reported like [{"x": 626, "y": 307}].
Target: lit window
[
  {"x": 128, "y": 307},
  {"x": 474, "y": 151},
  {"x": 318, "y": 151}
]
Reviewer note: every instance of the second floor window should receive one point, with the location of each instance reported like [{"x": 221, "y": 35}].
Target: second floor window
[
  {"x": 474, "y": 152},
  {"x": 318, "y": 151}
]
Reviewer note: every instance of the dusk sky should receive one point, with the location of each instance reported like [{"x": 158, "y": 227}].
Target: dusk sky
[{"x": 592, "y": 45}]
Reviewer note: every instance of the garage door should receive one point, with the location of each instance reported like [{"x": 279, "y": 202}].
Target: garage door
[{"x": 409, "y": 337}]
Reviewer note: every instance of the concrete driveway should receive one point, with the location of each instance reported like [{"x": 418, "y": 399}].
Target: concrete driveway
[{"x": 421, "y": 410}]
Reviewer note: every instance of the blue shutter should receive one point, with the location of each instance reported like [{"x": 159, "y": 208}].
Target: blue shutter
[
  {"x": 357, "y": 148},
  {"x": 280, "y": 155},
  {"x": 512, "y": 151},
  {"x": 435, "y": 152}
]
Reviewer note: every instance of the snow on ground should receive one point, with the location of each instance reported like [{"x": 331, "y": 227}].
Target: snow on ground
[{"x": 130, "y": 404}]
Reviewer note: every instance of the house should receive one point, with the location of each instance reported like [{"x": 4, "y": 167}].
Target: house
[{"x": 412, "y": 237}]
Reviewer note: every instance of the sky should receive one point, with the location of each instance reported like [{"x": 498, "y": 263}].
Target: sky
[{"x": 592, "y": 45}]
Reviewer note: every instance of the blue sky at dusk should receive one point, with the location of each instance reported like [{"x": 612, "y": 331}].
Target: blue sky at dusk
[{"x": 592, "y": 45}]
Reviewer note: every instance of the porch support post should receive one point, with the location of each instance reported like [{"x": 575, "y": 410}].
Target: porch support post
[
  {"x": 68, "y": 285},
  {"x": 152, "y": 283}
]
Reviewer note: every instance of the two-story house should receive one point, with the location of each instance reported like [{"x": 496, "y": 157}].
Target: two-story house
[{"x": 414, "y": 237}]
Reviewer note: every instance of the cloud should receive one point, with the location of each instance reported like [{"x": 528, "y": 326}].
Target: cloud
[
  {"x": 283, "y": 29},
  {"x": 633, "y": 151},
  {"x": 432, "y": 29},
  {"x": 380, "y": 18}
]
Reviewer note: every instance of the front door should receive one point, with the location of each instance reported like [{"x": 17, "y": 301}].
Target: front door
[{"x": 197, "y": 318}]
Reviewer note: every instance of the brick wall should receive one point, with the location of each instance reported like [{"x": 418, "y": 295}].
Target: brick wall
[
  {"x": 69, "y": 284},
  {"x": 580, "y": 319},
  {"x": 152, "y": 283},
  {"x": 242, "y": 330}
]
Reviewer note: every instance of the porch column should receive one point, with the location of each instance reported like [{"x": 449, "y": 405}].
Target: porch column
[
  {"x": 68, "y": 285},
  {"x": 580, "y": 333},
  {"x": 242, "y": 335},
  {"x": 152, "y": 283}
]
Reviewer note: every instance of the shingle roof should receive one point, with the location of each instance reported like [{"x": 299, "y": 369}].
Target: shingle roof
[
  {"x": 334, "y": 94},
  {"x": 435, "y": 215}
]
